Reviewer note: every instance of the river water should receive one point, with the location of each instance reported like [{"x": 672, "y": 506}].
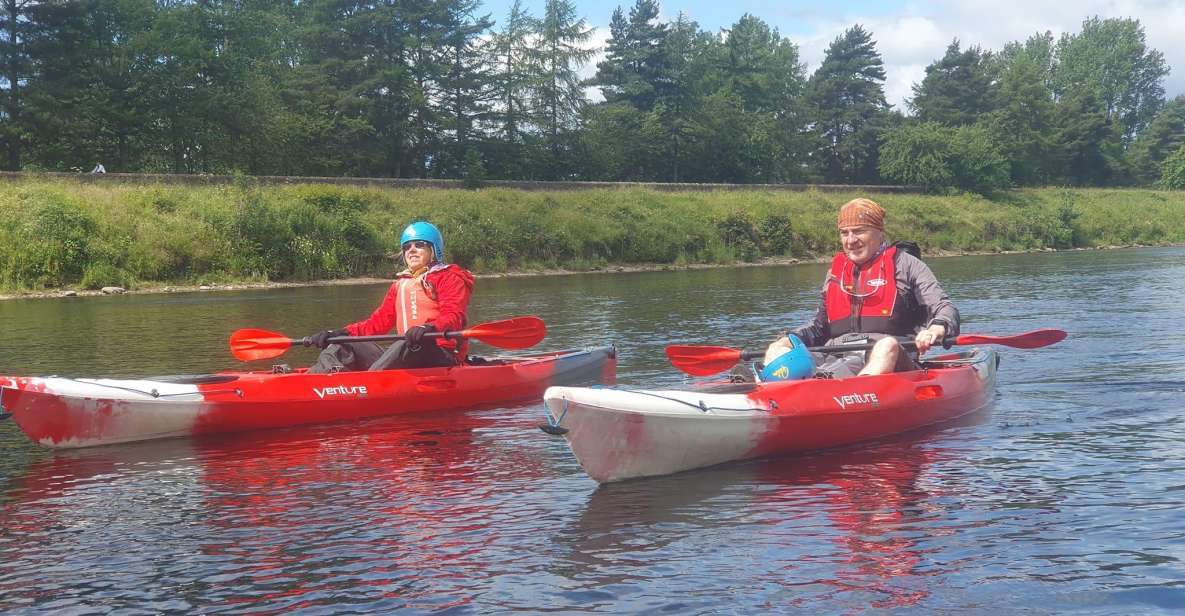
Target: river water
[{"x": 1066, "y": 494}]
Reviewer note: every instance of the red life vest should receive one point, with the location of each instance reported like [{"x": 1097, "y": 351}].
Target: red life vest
[
  {"x": 415, "y": 303},
  {"x": 865, "y": 299}
]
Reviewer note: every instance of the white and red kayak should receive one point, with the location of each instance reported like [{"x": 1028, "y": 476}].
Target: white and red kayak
[
  {"x": 620, "y": 434},
  {"x": 76, "y": 412}
]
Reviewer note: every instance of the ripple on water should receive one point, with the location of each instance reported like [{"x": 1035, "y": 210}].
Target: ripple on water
[{"x": 1064, "y": 495}]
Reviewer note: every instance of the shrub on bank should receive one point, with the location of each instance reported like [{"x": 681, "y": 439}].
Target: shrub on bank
[{"x": 64, "y": 234}]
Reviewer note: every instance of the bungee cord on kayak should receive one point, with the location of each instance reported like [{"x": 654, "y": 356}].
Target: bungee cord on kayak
[{"x": 151, "y": 393}]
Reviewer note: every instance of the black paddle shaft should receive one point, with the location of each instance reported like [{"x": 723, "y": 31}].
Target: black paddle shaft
[
  {"x": 835, "y": 349},
  {"x": 377, "y": 338}
]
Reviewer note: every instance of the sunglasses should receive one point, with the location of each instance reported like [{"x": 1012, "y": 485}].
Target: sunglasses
[{"x": 421, "y": 244}]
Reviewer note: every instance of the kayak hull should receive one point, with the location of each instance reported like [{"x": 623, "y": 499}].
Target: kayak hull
[
  {"x": 61, "y": 412},
  {"x": 619, "y": 434}
]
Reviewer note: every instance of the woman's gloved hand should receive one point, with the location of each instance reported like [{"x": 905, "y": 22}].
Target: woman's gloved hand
[
  {"x": 415, "y": 335},
  {"x": 321, "y": 339}
]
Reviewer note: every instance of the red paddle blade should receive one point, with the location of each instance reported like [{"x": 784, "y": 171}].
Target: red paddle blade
[
  {"x": 1029, "y": 340},
  {"x": 702, "y": 360},
  {"x": 516, "y": 333},
  {"x": 252, "y": 344}
]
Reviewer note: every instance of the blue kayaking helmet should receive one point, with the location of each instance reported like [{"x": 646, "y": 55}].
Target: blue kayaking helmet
[
  {"x": 793, "y": 365},
  {"x": 427, "y": 231}
]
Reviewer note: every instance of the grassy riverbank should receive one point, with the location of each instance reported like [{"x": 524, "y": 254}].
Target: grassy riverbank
[{"x": 64, "y": 234}]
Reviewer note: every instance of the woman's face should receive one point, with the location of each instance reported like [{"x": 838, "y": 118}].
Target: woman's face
[{"x": 417, "y": 254}]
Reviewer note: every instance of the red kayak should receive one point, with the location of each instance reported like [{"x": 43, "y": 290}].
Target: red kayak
[
  {"x": 70, "y": 412},
  {"x": 620, "y": 433}
]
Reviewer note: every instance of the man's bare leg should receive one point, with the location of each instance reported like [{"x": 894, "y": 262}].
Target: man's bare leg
[
  {"x": 776, "y": 349},
  {"x": 883, "y": 357}
]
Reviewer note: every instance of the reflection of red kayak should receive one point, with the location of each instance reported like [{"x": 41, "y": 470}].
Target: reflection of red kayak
[
  {"x": 618, "y": 434},
  {"x": 66, "y": 412}
]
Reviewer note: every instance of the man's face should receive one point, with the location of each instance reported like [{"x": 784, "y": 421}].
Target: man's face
[{"x": 860, "y": 242}]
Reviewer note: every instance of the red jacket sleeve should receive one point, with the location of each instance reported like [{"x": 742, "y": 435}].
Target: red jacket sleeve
[
  {"x": 454, "y": 287},
  {"x": 382, "y": 320}
]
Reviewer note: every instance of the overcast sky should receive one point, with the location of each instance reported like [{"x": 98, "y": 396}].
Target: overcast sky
[{"x": 909, "y": 34}]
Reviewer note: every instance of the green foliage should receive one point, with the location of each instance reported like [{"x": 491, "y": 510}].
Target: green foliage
[
  {"x": 1088, "y": 148},
  {"x": 937, "y": 157},
  {"x": 474, "y": 170},
  {"x": 847, "y": 97},
  {"x": 979, "y": 165},
  {"x": 777, "y": 236},
  {"x": 1172, "y": 174},
  {"x": 99, "y": 275},
  {"x": 1110, "y": 61},
  {"x": 559, "y": 54},
  {"x": 634, "y": 64},
  {"x": 918, "y": 155},
  {"x": 430, "y": 90},
  {"x": 1163, "y": 137},
  {"x": 1022, "y": 125},
  {"x": 48, "y": 243},
  {"x": 739, "y": 235},
  {"x": 92, "y": 236},
  {"x": 957, "y": 89}
]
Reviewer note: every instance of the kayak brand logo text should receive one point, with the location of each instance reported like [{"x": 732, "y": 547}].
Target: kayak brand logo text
[
  {"x": 341, "y": 390},
  {"x": 856, "y": 399}
]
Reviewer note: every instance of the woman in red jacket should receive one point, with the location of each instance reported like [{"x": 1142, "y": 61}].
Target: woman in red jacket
[{"x": 430, "y": 295}]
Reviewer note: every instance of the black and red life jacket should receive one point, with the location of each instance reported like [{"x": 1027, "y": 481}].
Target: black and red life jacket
[{"x": 865, "y": 299}]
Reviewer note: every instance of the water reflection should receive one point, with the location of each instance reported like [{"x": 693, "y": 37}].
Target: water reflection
[
  {"x": 1067, "y": 497},
  {"x": 847, "y": 526},
  {"x": 266, "y": 521}
]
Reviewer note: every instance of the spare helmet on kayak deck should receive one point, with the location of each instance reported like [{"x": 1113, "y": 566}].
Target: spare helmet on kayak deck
[
  {"x": 793, "y": 365},
  {"x": 427, "y": 231}
]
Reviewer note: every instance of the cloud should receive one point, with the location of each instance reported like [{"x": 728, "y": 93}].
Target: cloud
[{"x": 598, "y": 42}]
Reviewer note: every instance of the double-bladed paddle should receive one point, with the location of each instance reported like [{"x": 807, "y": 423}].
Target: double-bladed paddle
[
  {"x": 516, "y": 333},
  {"x": 708, "y": 360}
]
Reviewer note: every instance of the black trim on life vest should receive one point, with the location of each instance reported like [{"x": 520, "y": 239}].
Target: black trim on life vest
[{"x": 874, "y": 314}]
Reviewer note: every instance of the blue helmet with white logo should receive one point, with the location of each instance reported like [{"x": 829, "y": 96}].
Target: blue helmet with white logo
[
  {"x": 793, "y": 365},
  {"x": 428, "y": 232}
]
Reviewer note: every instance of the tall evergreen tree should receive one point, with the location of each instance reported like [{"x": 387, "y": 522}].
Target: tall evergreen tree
[
  {"x": 957, "y": 89},
  {"x": 357, "y": 84},
  {"x": 466, "y": 86},
  {"x": 634, "y": 58},
  {"x": 685, "y": 53},
  {"x": 16, "y": 69},
  {"x": 847, "y": 98},
  {"x": 513, "y": 76},
  {"x": 560, "y": 94},
  {"x": 1087, "y": 145},
  {"x": 762, "y": 67}
]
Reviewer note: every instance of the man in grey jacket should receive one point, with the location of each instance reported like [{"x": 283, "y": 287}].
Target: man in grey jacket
[{"x": 874, "y": 291}]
